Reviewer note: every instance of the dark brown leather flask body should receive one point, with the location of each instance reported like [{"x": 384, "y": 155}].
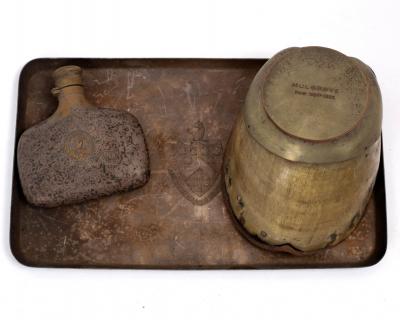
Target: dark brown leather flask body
[{"x": 81, "y": 152}]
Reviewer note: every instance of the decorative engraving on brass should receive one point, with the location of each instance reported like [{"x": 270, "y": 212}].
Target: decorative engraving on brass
[{"x": 197, "y": 175}]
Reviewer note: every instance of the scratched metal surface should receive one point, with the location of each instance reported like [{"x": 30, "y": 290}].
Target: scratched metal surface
[{"x": 178, "y": 220}]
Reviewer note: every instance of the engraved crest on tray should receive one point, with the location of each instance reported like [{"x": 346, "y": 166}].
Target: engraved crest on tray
[{"x": 196, "y": 173}]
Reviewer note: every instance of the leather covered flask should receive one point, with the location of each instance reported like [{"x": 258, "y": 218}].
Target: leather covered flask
[{"x": 80, "y": 152}]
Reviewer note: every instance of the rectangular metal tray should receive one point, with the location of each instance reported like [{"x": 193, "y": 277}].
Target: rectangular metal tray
[{"x": 178, "y": 220}]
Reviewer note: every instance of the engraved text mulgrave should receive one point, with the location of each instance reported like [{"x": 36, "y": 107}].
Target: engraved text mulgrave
[{"x": 315, "y": 91}]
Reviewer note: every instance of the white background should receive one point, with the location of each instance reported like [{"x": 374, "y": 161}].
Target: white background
[{"x": 365, "y": 29}]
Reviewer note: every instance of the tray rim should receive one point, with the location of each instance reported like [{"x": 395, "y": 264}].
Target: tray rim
[{"x": 23, "y": 74}]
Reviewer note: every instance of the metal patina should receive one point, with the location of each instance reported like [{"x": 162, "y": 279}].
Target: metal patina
[
  {"x": 304, "y": 153},
  {"x": 187, "y": 108}
]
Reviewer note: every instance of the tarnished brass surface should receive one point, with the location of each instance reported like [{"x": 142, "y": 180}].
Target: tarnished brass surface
[
  {"x": 302, "y": 159},
  {"x": 314, "y": 94},
  {"x": 178, "y": 220},
  {"x": 307, "y": 206},
  {"x": 320, "y": 150}
]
